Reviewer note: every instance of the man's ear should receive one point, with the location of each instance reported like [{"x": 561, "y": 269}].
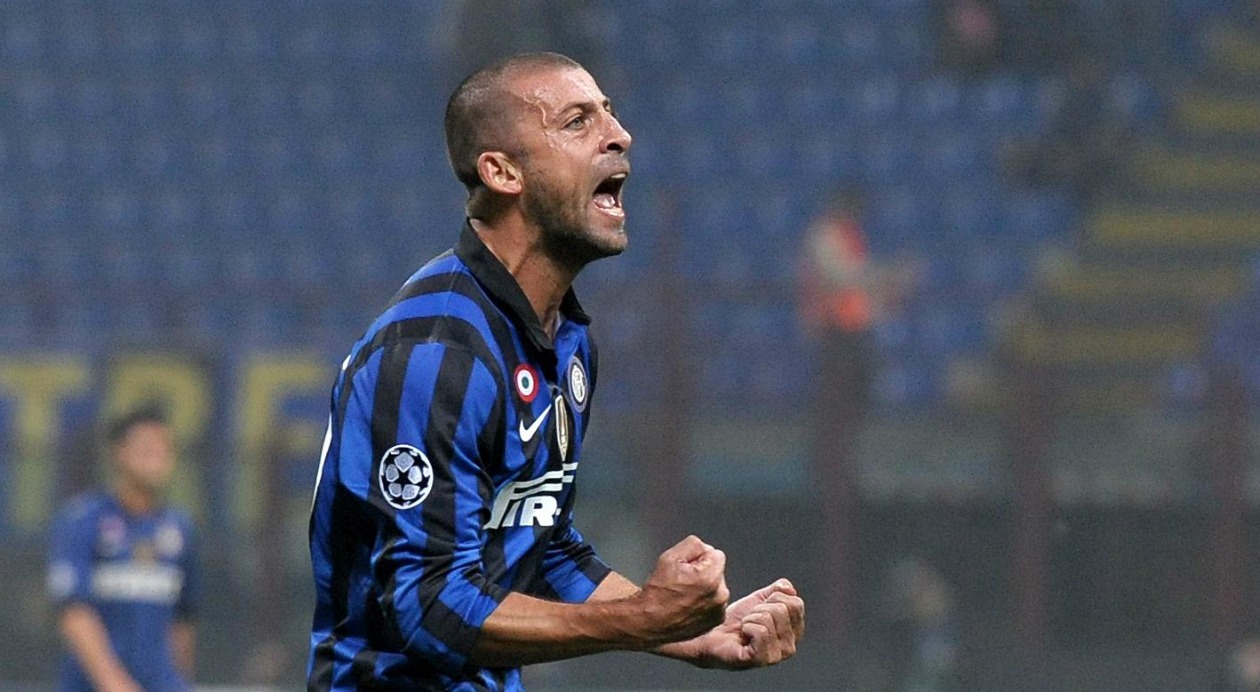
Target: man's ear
[{"x": 500, "y": 173}]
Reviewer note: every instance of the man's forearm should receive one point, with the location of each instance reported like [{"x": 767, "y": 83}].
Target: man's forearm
[
  {"x": 184, "y": 644},
  {"x": 524, "y": 630},
  {"x": 86, "y": 637},
  {"x": 614, "y": 587}
]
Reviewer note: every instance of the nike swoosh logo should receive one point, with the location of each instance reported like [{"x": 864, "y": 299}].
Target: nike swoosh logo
[{"x": 527, "y": 434}]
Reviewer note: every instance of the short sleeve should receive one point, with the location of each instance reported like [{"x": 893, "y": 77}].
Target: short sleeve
[
  {"x": 190, "y": 565},
  {"x": 70, "y": 554}
]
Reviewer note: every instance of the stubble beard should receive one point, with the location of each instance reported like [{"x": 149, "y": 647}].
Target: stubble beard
[{"x": 565, "y": 235}]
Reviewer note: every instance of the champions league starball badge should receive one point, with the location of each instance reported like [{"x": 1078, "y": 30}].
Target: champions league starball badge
[{"x": 405, "y": 476}]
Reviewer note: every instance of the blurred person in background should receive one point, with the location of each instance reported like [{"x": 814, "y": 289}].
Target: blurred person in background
[
  {"x": 1080, "y": 150},
  {"x": 837, "y": 278},
  {"x": 841, "y": 290},
  {"x": 842, "y": 293},
  {"x": 122, "y": 572},
  {"x": 1242, "y": 668},
  {"x": 442, "y": 536},
  {"x": 970, "y": 35},
  {"x": 922, "y": 647}
]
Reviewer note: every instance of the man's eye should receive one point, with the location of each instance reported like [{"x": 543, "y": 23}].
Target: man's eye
[{"x": 576, "y": 122}]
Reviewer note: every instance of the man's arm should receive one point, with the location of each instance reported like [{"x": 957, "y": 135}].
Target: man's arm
[
  {"x": 441, "y": 406},
  {"x": 685, "y": 596},
  {"x": 763, "y": 628},
  {"x": 88, "y": 641},
  {"x": 69, "y": 587},
  {"x": 184, "y": 646},
  {"x": 183, "y": 630}
]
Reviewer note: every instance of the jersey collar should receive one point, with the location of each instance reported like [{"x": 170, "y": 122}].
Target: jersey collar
[{"x": 502, "y": 286}]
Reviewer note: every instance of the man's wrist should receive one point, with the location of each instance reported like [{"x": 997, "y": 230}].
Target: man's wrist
[{"x": 687, "y": 651}]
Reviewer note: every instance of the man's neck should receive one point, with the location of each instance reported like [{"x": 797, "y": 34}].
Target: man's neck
[
  {"x": 543, "y": 281},
  {"x": 134, "y": 499}
]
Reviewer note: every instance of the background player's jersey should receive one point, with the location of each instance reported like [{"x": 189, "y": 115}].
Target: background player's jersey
[
  {"x": 447, "y": 479},
  {"x": 136, "y": 571}
]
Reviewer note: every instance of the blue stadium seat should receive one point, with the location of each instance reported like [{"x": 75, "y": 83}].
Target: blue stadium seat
[
  {"x": 858, "y": 40},
  {"x": 1134, "y": 98},
  {"x": 19, "y": 323},
  {"x": 906, "y": 46},
  {"x": 827, "y": 155},
  {"x": 1033, "y": 216},
  {"x": 971, "y": 212},
  {"x": 1184, "y": 386},
  {"x": 949, "y": 158},
  {"x": 96, "y": 155},
  {"x": 156, "y": 156},
  {"x": 993, "y": 270},
  {"x": 726, "y": 43},
  {"x": 899, "y": 219},
  {"x": 203, "y": 95},
  {"x": 48, "y": 153},
  {"x": 135, "y": 316},
  {"x": 172, "y": 211},
  {"x": 1002, "y": 103},
  {"x": 24, "y": 36},
  {"x": 951, "y": 327},
  {"x": 906, "y": 386},
  {"x": 797, "y": 43},
  {"x": 876, "y": 102},
  {"x": 91, "y": 100},
  {"x": 196, "y": 41},
  {"x": 894, "y": 336},
  {"x": 761, "y": 157},
  {"x": 936, "y": 102},
  {"x": 889, "y": 158}
]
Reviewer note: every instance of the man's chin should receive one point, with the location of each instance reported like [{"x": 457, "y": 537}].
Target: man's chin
[{"x": 610, "y": 244}]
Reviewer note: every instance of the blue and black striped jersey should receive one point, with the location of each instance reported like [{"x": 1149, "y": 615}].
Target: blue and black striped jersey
[{"x": 447, "y": 479}]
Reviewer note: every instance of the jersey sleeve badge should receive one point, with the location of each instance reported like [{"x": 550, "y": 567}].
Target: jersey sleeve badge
[{"x": 405, "y": 476}]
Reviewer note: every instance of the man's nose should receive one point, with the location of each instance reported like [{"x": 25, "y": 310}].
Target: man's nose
[{"x": 618, "y": 138}]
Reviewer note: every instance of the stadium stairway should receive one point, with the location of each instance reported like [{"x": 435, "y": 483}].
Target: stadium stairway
[{"x": 1135, "y": 300}]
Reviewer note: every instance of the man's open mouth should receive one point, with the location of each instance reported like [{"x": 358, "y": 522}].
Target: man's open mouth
[{"x": 608, "y": 194}]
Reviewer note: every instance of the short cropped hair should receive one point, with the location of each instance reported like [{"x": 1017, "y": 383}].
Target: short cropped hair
[
  {"x": 118, "y": 428},
  {"x": 478, "y": 114}
]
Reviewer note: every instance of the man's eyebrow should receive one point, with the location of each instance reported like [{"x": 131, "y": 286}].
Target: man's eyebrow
[{"x": 585, "y": 106}]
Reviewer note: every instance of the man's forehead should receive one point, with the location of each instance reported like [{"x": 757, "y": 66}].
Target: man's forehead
[{"x": 553, "y": 88}]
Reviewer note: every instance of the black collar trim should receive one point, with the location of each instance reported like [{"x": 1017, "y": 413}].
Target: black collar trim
[{"x": 502, "y": 286}]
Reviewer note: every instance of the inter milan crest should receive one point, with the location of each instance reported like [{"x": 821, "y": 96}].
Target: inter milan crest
[
  {"x": 111, "y": 535},
  {"x": 406, "y": 476},
  {"x": 526, "y": 382},
  {"x": 579, "y": 386}
]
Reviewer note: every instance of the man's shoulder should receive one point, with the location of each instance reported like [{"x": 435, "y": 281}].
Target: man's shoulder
[
  {"x": 179, "y": 516},
  {"x": 83, "y": 507},
  {"x": 442, "y": 303}
]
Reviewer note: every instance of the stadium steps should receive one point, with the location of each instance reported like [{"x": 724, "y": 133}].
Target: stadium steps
[
  {"x": 1209, "y": 111},
  {"x": 1235, "y": 50},
  {"x": 1088, "y": 347},
  {"x": 1135, "y": 299},
  {"x": 1173, "y": 170},
  {"x": 1189, "y": 230}
]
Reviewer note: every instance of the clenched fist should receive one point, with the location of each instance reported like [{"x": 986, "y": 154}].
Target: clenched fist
[
  {"x": 760, "y": 629},
  {"x": 686, "y": 594}
]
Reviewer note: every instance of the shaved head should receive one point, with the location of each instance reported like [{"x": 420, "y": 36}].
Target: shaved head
[{"x": 481, "y": 112}]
